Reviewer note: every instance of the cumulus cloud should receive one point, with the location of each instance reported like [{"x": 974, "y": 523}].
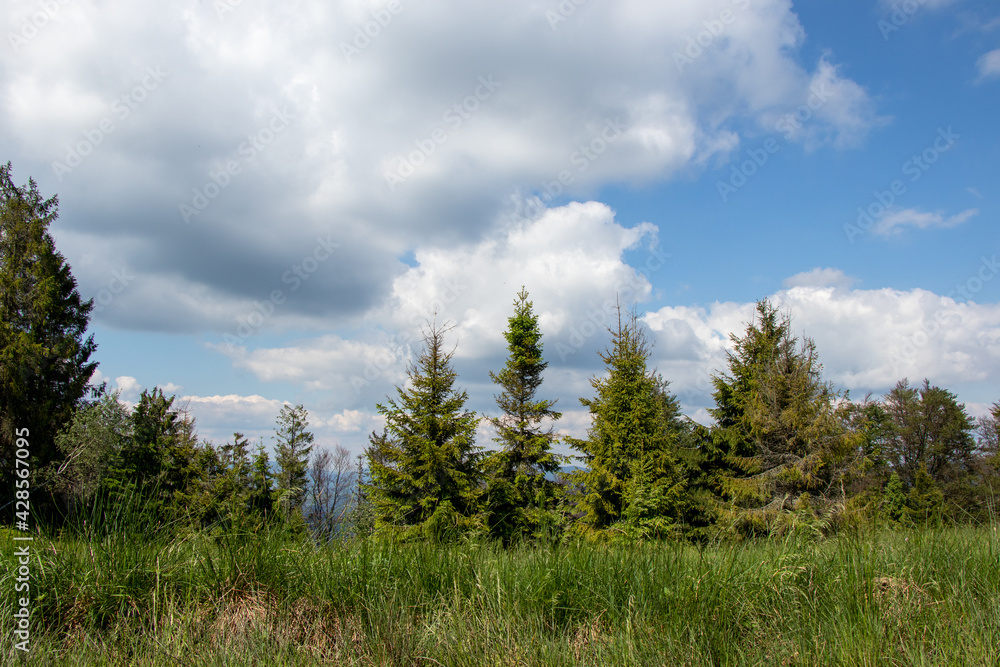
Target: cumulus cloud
[
  {"x": 866, "y": 339},
  {"x": 282, "y": 124},
  {"x": 895, "y": 221},
  {"x": 820, "y": 278},
  {"x": 570, "y": 259}
]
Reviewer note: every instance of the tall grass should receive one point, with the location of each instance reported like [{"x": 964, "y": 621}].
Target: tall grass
[{"x": 914, "y": 597}]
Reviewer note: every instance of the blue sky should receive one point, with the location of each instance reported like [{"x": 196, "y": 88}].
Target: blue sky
[{"x": 266, "y": 202}]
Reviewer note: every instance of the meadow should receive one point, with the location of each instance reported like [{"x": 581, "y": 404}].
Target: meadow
[{"x": 928, "y": 596}]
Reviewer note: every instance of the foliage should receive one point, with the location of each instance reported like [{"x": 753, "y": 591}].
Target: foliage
[
  {"x": 521, "y": 492},
  {"x": 95, "y": 436},
  {"x": 633, "y": 475},
  {"x": 294, "y": 444},
  {"x": 777, "y": 430},
  {"x": 931, "y": 432},
  {"x": 44, "y": 358},
  {"x": 426, "y": 456}
]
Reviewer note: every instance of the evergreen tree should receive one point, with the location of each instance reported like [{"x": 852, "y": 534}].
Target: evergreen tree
[
  {"x": 44, "y": 359},
  {"x": 233, "y": 480},
  {"x": 294, "y": 444},
  {"x": 260, "y": 499},
  {"x": 633, "y": 475},
  {"x": 894, "y": 501},
  {"x": 161, "y": 461},
  {"x": 777, "y": 432},
  {"x": 521, "y": 492},
  {"x": 424, "y": 470},
  {"x": 139, "y": 464}
]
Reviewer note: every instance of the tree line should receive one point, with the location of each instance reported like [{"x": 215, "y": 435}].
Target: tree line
[{"x": 787, "y": 450}]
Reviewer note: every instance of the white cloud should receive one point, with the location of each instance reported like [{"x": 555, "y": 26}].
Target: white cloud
[
  {"x": 354, "y": 120},
  {"x": 866, "y": 339},
  {"x": 820, "y": 278},
  {"x": 570, "y": 259},
  {"x": 129, "y": 388},
  {"x": 989, "y": 65},
  {"x": 895, "y": 221}
]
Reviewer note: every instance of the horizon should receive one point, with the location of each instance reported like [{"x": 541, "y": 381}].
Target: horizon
[{"x": 267, "y": 203}]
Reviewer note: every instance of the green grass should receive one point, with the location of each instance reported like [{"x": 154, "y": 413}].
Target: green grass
[{"x": 920, "y": 597}]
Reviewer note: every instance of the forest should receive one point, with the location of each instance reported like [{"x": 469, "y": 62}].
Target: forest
[{"x": 800, "y": 508}]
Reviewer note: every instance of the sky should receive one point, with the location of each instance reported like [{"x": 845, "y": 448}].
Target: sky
[{"x": 268, "y": 200}]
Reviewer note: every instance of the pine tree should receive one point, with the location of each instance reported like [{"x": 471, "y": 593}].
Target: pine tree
[
  {"x": 424, "y": 470},
  {"x": 44, "y": 358},
  {"x": 294, "y": 444},
  {"x": 776, "y": 426},
  {"x": 521, "y": 493},
  {"x": 633, "y": 476}
]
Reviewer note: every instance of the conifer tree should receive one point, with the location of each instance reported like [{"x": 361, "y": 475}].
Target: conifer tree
[
  {"x": 294, "y": 444},
  {"x": 633, "y": 476},
  {"x": 424, "y": 469},
  {"x": 776, "y": 427},
  {"x": 234, "y": 480},
  {"x": 260, "y": 500},
  {"x": 521, "y": 492},
  {"x": 44, "y": 358}
]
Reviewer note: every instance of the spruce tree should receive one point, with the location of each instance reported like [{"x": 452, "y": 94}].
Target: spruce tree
[
  {"x": 260, "y": 499},
  {"x": 633, "y": 477},
  {"x": 234, "y": 479},
  {"x": 776, "y": 429},
  {"x": 521, "y": 492},
  {"x": 424, "y": 469},
  {"x": 294, "y": 444},
  {"x": 44, "y": 358}
]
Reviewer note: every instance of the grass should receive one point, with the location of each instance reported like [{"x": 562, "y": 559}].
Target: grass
[{"x": 918, "y": 597}]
